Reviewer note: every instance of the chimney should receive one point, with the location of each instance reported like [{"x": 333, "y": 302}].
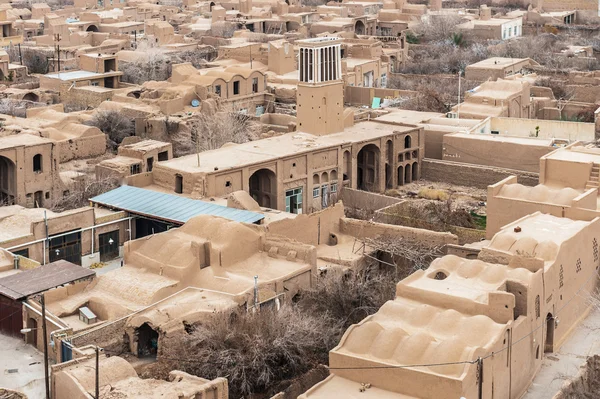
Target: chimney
[{"x": 485, "y": 13}]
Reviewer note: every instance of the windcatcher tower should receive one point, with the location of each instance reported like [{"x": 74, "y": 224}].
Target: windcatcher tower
[{"x": 320, "y": 94}]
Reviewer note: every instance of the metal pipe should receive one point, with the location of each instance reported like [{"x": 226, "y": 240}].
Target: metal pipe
[
  {"x": 46, "y": 378},
  {"x": 39, "y": 314}
]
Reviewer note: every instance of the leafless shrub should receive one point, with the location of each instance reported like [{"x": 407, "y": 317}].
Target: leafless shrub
[
  {"x": 314, "y": 3},
  {"x": 444, "y": 57},
  {"x": 416, "y": 254},
  {"x": 153, "y": 65},
  {"x": 223, "y": 29},
  {"x": 81, "y": 191},
  {"x": 255, "y": 350},
  {"x": 430, "y": 97},
  {"x": 198, "y": 58},
  {"x": 17, "y": 108},
  {"x": 348, "y": 297},
  {"x": 439, "y": 27},
  {"x": 209, "y": 132},
  {"x": 114, "y": 124},
  {"x": 35, "y": 60},
  {"x": 446, "y": 213}
]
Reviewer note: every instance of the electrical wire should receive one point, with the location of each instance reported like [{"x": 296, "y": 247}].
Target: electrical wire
[{"x": 11, "y": 315}]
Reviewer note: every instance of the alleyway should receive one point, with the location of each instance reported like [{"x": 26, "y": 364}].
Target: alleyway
[{"x": 21, "y": 367}]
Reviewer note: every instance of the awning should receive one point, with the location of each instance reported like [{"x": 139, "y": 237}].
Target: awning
[
  {"x": 169, "y": 207},
  {"x": 20, "y": 286}
]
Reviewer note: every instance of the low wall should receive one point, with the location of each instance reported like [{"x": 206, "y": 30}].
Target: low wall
[
  {"x": 362, "y": 203},
  {"x": 362, "y": 229},
  {"x": 465, "y": 235},
  {"x": 111, "y": 336},
  {"x": 469, "y": 175}
]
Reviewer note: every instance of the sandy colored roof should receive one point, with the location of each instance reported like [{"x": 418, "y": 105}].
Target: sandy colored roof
[
  {"x": 499, "y": 63},
  {"x": 540, "y": 193},
  {"x": 26, "y": 140},
  {"x": 576, "y": 153},
  {"x": 541, "y": 235},
  {"x": 335, "y": 386},
  {"x": 465, "y": 278},
  {"x": 15, "y": 221},
  {"x": 277, "y": 147},
  {"x": 406, "y": 332},
  {"x": 146, "y": 145}
]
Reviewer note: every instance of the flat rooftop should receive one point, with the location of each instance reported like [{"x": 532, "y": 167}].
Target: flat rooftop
[
  {"x": 497, "y": 63},
  {"x": 527, "y": 141},
  {"x": 274, "y": 148},
  {"x": 576, "y": 154},
  {"x": 17, "y": 140},
  {"x": 74, "y": 75}
]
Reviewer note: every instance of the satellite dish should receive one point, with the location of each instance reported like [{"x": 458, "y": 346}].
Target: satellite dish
[{"x": 195, "y": 103}]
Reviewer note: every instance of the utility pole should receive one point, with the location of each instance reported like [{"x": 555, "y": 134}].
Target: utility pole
[
  {"x": 43, "y": 302},
  {"x": 97, "y": 372},
  {"x": 458, "y": 105},
  {"x": 480, "y": 376}
]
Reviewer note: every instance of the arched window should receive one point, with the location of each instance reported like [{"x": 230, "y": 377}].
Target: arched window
[
  {"x": 407, "y": 141},
  {"x": 37, "y": 163}
]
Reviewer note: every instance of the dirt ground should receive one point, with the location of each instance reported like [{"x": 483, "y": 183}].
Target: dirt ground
[{"x": 423, "y": 191}]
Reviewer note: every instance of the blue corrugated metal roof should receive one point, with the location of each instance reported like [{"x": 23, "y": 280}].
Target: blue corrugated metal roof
[{"x": 169, "y": 207}]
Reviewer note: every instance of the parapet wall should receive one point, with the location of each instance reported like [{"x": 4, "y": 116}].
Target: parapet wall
[
  {"x": 362, "y": 228},
  {"x": 469, "y": 175}
]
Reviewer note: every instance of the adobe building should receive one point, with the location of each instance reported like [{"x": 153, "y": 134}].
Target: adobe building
[
  {"x": 489, "y": 28},
  {"x": 495, "y": 316},
  {"x": 589, "y": 7},
  {"x": 134, "y": 158},
  {"x": 76, "y": 379},
  {"x": 499, "y": 68},
  {"x": 568, "y": 187},
  {"x": 186, "y": 274},
  {"x": 29, "y": 174},
  {"x": 302, "y": 172},
  {"x": 502, "y": 98},
  {"x": 81, "y": 236},
  {"x": 94, "y": 83}
]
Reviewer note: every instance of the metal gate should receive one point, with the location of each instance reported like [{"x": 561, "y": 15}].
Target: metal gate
[
  {"x": 67, "y": 247},
  {"x": 66, "y": 351},
  {"x": 108, "y": 245},
  {"x": 11, "y": 317}
]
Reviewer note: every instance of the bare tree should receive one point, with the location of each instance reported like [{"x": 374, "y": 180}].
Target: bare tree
[
  {"x": 439, "y": 27},
  {"x": 114, "y": 124},
  {"x": 254, "y": 351},
  {"x": 419, "y": 255},
  {"x": 81, "y": 191},
  {"x": 223, "y": 29},
  {"x": 210, "y": 131},
  {"x": 153, "y": 64}
]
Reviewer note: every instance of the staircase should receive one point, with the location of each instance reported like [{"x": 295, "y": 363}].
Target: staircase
[{"x": 594, "y": 181}]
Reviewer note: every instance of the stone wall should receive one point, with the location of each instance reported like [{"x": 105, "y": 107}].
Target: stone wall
[
  {"x": 111, "y": 336},
  {"x": 471, "y": 175}
]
